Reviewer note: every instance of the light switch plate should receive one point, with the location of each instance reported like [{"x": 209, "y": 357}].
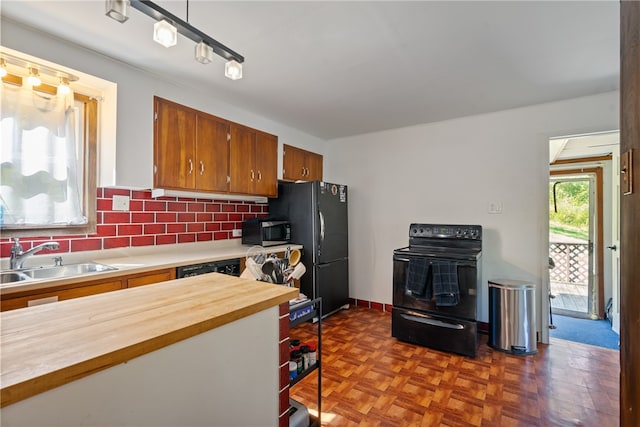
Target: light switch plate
[
  {"x": 236, "y": 233},
  {"x": 120, "y": 203},
  {"x": 495, "y": 208}
]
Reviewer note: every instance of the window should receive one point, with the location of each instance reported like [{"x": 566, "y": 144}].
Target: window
[{"x": 48, "y": 160}]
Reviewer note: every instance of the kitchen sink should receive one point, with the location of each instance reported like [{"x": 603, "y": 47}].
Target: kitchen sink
[
  {"x": 12, "y": 277},
  {"x": 57, "y": 272}
]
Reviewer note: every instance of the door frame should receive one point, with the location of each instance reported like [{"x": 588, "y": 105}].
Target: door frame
[{"x": 599, "y": 229}]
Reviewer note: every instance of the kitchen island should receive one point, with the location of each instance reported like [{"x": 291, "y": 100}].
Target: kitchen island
[{"x": 201, "y": 350}]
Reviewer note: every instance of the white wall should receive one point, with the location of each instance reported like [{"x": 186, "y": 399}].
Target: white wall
[
  {"x": 448, "y": 172},
  {"x": 136, "y": 88}
]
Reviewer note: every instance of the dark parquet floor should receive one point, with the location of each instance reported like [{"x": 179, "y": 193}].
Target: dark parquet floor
[{"x": 371, "y": 379}]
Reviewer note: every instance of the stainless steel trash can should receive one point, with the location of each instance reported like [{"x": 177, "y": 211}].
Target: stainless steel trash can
[{"x": 512, "y": 316}]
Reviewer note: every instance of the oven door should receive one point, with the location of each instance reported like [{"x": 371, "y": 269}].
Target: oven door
[{"x": 468, "y": 278}]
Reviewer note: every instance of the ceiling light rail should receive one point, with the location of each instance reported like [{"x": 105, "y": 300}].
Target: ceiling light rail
[
  {"x": 205, "y": 45},
  {"x": 33, "y": 68}
]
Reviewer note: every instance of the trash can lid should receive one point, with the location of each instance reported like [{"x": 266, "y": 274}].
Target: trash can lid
[{"x": 511, "y": 284}]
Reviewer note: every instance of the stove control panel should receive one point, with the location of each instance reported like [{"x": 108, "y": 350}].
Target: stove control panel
[{"x": 439, "y": 231}]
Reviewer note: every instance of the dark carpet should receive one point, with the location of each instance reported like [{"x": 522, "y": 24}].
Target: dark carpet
[{"x": 586, "y": 331}]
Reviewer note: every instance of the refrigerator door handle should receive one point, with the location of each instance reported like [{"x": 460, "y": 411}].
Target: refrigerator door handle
[{"x": 321, "y": 226}]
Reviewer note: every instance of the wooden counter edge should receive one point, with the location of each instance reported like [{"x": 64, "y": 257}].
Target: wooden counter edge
[{"x": 20, "y": 391}]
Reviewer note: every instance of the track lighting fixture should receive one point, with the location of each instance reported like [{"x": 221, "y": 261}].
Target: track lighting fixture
[
  {"x": 117, "y": 9},
  {"x": 204, "y": 53},
  {"x": 165, "y": 33},
  {"x": 41, "y": 76},
  {"x": 233, "y": 70},
  {"x": 34, "y": 77},
  {"x": 63, "y": 86},
  {"x": 167, "y": 27}
]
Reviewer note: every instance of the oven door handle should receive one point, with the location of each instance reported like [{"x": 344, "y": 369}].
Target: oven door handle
[{"x": 415, "y": 317}]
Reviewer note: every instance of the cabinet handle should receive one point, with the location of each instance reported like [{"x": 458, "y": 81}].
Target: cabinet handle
[
  {"x": 252, "y": 175},
  {"x": 201, "y": 168},
  {"x": 303, "y": 171},
  {"x": 40, "y": 301},
  {"x": 259, "y": 176},
  {"x": 190, "y": 166}
]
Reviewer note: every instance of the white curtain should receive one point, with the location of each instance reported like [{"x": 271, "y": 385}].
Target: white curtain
[{"x": 39, "y": 182}]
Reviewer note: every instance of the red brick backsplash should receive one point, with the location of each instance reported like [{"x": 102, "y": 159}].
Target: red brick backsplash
[{"x": 149, "y": 222}]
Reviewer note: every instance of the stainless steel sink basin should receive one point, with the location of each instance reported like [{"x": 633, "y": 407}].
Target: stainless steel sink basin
[
  {"x": 56, "y": 272},
  {"x": 12, "y": 277}
]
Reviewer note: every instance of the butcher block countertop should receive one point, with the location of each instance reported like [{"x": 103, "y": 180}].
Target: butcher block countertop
[
  {"x": 45, "y": 346},
  {"x": 133, "y": 261}
]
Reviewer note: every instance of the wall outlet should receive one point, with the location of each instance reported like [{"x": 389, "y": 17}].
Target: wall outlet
[
  {"x": 236, "y": 233},
  {"x": 495, "y": 208},
  {"x": 120, "y": 203}
]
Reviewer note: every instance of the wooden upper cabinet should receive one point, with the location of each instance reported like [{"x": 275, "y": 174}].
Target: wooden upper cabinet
[
  {"x": 174, "y": 145},
  {"x": 212, "y": 154},
  {"x": 195, "y": 151},
  {"x": 301, "y": 165},
  {"x": 266, "y": 164},
  {"x": 253, "y": 162}
]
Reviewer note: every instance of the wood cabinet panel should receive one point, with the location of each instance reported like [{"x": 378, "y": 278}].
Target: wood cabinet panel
[
  {"x": 242, "y": 160},
  {"x": 174, "y": 146},
  {"x": 150, "y": 278},
  {"x": 253, "y": 162},
  {"x": 61, "y": 294},
  {"x": 83, "y": 289},
  {"x": 314, "y": 167},
  {"x": 212, "y": 154},
  {"x": 191, "y": 149},
  {"x": 301, "y": 165},
  {"x": 266, "y": 150}
]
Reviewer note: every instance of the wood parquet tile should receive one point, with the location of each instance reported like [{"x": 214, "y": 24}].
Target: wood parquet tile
[{"x": 372, "y": 379}]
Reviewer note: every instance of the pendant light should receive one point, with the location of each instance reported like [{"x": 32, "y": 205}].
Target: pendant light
[
  {"x": 233, "y": 70},
  {"x": 204, "y": 53},
  {"x": 117, "y": 9},
  {"x": 165, "y": 33}
]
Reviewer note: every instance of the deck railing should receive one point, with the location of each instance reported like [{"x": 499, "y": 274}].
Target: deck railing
[{"x": 571, "y": 262}]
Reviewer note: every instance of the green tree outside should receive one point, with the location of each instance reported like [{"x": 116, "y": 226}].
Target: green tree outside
[{"x": 572, "y": 201}]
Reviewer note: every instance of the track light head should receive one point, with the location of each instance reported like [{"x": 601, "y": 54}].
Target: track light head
[
  {"x": 204, "y": 53},
  {"x": 117, "y": 10},
  {"x": 165, "y": 33}
]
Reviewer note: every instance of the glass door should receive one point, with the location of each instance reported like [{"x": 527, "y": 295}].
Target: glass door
[{"x": 571, "y": 245}]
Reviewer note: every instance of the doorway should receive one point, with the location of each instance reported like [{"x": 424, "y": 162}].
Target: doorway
[
  {"x": 572, "y": 230},
  {"x": 584, "y": 171}
]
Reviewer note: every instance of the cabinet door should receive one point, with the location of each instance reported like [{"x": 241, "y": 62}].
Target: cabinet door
[
  {"x": 212, "y": 149},
  {"x": 149, "y": 278},
  {"x": 266, "y": 183},
  {"x": 242, "y": 169},
  {"x": 174, "y": 145},
  {"x": 293, "y": 163},
  {"x": 50, "y": 296},
  {"x": 314, "y": 167}
]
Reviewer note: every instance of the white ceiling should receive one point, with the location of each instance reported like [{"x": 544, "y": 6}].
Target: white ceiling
[{"x": 335, "y": 69}]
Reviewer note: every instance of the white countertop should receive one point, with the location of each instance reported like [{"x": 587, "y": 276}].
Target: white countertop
[{"x": 132, "y": 260}]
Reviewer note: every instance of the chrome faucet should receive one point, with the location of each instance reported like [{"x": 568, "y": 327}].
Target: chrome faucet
[{"x": 18, "y": 257}]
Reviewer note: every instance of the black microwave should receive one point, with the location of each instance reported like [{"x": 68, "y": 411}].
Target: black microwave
[{"x": 265, "y": 232}]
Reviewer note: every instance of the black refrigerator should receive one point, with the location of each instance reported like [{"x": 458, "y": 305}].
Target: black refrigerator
[{"x": 317, "y": 211}]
